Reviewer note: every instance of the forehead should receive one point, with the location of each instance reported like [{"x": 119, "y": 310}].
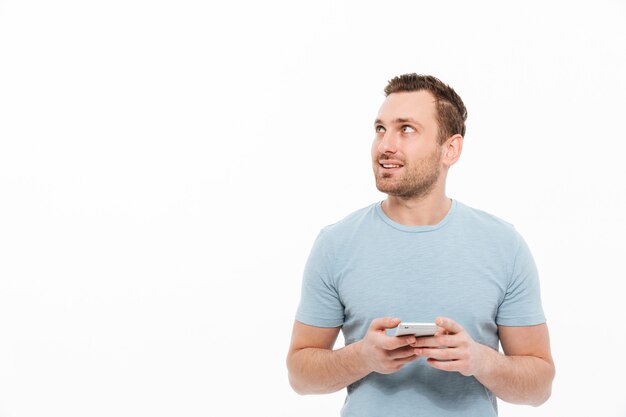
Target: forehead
[{"x": 419, "y": 105}]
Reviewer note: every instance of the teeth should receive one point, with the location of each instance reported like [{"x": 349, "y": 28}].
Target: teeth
[{"x": 390, "y": 166}]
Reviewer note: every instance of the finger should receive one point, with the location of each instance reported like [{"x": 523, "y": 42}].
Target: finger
[
  {"x": 441, "y": 331},
  {"x": 394, "y": 342},
  {"x": 404, "y": 352},
  {"x": 384, "y": 323},
  {"x": 449, "y": 325},
  {"x": 448, "y": 366},
  {"x": 426, "y": 342},
  {"x": 405, "y": 360},
  {"x": 436, "y": 341},
  {"x": 441, "y": 354}
]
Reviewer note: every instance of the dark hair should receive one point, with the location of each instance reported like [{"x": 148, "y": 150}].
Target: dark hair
[{"x": 451, "y": 112}]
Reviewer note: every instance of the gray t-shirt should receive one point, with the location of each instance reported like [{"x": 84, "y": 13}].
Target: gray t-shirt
[{"x": 471, "y": 267}]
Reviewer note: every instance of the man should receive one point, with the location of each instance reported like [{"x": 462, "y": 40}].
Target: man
[{"x": 420, "y": 256}]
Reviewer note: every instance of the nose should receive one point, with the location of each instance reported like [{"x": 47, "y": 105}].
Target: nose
[{"x": 388, "y": 143}]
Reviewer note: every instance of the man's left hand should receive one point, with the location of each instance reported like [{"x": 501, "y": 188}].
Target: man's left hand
[{"x": 452, "y": 349}]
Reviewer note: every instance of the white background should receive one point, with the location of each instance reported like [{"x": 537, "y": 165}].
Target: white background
[{"x": 166, "y": 165}]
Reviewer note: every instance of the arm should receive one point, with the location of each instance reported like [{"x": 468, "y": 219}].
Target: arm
[
  {"x": 523, "y": 375},
  {"x": 314, "y": 368}
]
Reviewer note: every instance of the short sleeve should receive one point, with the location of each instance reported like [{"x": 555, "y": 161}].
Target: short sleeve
[
  {"x": 522, "y": 302},
  {"x": 320, "y": 304}
]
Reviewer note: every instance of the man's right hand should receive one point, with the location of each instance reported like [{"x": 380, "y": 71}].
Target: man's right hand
[{"x": 386, "y": 354}]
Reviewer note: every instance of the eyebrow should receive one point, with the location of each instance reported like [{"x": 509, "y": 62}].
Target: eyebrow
[{"x": 400, "y": 120}]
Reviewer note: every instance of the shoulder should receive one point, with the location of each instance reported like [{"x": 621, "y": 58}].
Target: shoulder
[
  {"x": 482, "y": 217},
  {"x": 350, "y": 224},
  {"x": 487, "y": 225}
]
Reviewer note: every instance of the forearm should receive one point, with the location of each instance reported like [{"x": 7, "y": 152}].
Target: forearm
[
  {"x": 517, "y": 379},
  {"x": 321, "y": 371}
]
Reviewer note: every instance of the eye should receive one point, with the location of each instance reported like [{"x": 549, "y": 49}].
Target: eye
[
  {"x": 407, "y": 129},
  {"x": 379, "y": 129}
]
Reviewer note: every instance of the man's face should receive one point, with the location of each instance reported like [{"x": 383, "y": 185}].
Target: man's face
[{"x": 406, "y": 155}]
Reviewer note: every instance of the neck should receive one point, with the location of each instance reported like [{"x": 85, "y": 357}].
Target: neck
[{"x": 423, "y": 211}]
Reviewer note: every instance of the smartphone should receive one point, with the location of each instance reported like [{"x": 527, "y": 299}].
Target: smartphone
[{"x": 416, "y": 329}]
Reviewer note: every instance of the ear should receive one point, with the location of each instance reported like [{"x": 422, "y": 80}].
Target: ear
[{"x": 452, "y": 149}]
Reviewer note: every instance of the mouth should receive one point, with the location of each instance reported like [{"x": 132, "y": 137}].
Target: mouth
[{"x": 390, "y": 165}]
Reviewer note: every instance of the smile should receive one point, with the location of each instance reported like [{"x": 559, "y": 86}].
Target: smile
[{"x": 390, "y": 163}]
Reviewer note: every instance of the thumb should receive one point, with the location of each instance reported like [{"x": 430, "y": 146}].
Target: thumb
[
  {"x": 384, "y": 323},
  {"x": 449, "y": 325}
]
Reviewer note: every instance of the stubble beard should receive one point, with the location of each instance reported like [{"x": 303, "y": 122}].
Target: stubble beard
[{"x": 417, "y": 181}]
